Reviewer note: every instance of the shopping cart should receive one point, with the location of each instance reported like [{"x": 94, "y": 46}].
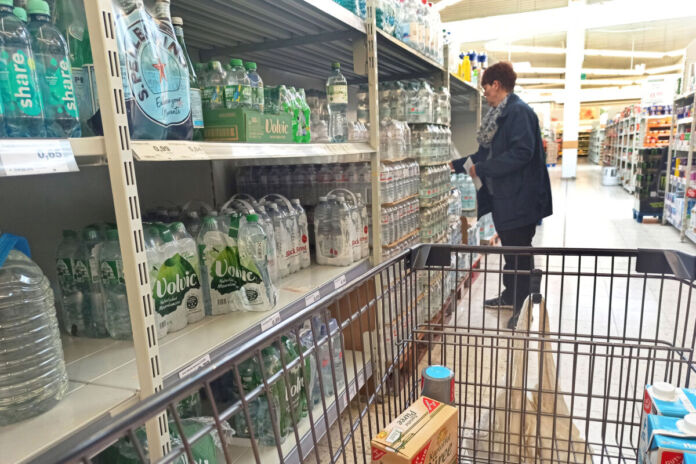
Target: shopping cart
[{"x": 565, "y": 386}]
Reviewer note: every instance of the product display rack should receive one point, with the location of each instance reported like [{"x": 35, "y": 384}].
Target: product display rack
[
  {"x": 302, "y": 37},
  {"x": 610, "y": 144},
  {"x": 596, "y": 143},
  {"x": 584, "y": 143},
  {"x": 679, "y": 190}
]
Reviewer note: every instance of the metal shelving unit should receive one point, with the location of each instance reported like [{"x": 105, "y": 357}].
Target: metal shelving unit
[{"x": 299, "y": 37}]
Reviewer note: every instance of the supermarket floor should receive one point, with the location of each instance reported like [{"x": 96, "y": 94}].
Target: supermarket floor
[{"x": 586, "y": 214}]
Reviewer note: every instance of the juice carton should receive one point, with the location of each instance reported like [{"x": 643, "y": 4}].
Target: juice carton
[
  {"x": 425, "y": 433},
  {"x": 667, "y": 440},
  {"x": 664, "y": 399}
]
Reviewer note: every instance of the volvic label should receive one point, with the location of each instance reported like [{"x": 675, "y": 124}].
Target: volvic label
[
  {"x": 337, "y": 94},
  {"x": 224, "y": 273},
  {"x": 174, "y": 279},
  {"x": 80, "y": 271},
  {"x": 276, "y": 127},
  {"x": 18, "y": 82},
  {"x": 159, "y": 85},
  {"x": 64, "y": 269},
  {"x": 57, "y": 85},
  {"x": 112, "y": 272}
]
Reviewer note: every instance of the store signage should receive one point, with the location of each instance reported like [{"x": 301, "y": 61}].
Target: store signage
[{"x": 36, "y": 156}]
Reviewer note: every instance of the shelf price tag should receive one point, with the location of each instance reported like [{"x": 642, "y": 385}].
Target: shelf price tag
[
  {"x": 198, "y": 364},
  {"x": 270, "y": 321},
  {"x": 36, "y": 156},
  {"x": 312, "y": 298},
  {"x": 339, "y": 282},
  {"x": 164, "y": 150}
]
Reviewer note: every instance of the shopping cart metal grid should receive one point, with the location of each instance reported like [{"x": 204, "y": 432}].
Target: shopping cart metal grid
[{"x": 566, "y": 386}]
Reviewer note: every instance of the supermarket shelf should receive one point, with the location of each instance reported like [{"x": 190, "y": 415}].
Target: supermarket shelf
[
  {"x": 684, "y": 96},
  {"x": 400, "y": 200},
  {"x": 82, "y": 405},
  {"x": 291, "y": 453},
  {"x": 250, "y": 153},
  {"x": 683, "y": 121},
  {"x": 401, "y": 240},
  {"x": 459, "y": 86},
  {"x": 112, "y": 363},
  {"x": 691, "y": 235},
  {"x": 398, "y": 60}
]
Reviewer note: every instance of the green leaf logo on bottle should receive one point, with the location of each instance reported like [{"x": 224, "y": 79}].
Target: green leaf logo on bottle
[
  {"x": 174, "y": 279},
  {"x": 80, "y": 271},
  {"x": 18, "y": 82},
  {"x": 111, "y": 273}
]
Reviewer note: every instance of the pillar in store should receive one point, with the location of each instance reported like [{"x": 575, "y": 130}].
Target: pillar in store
[{"x": 575, "y": 49}]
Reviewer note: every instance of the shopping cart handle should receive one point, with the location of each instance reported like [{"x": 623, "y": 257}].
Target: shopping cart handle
[
  {"x": 677, "y": 263},
  {"x": 535, "y": 285}
]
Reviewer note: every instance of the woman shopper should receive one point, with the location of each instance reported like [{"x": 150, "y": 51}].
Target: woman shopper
[{"x": 511, "y": 164}]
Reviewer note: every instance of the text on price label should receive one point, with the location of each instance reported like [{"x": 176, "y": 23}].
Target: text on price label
[{"x": 36, "y": 156}]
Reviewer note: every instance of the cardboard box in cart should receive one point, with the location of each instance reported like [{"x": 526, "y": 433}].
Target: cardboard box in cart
[
  {"x": 426, "y": 433},
  {"x": 664, "y": 399}
]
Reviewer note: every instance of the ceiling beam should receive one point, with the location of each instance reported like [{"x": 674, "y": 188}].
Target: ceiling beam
[{"x": 597, "y": 15}]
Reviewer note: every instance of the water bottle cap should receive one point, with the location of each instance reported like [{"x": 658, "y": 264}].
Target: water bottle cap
[
  {"x": 250, "y": 66},
  {"x": 336, "y": 65},
  {"x": 214, "y": 64},
  {"x": 67, "y": 233},
  {"x": 177, "y": 21},
  {"x": 20, "y": 13},
  {"x": 252, "y": 218},
  {"x": 236, "y": 62},
  {"x": 6, "y": 2},
  {"x": 112, "y": 234},
  {"x": 38, "y": 7},
  {"x": 177, "y": 227},
  {"x": 90, "y": 233},
  {"x": 166, "y": 235},
  {"x": 323, "y": 198},
  {"x": 210, "y": 221},
  {"x": 295, "y": 201}
]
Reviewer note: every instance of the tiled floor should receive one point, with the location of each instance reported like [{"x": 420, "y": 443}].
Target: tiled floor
[{"x": 602, "y": 316}]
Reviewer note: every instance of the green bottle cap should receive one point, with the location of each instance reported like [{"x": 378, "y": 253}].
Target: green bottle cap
[
  {"x": 38, "y": 7},
  {"x": 336, "y": 65},
  {"x": 112, "y": 234},
  {"x": 166, "y": 235},
  {"x": 210, "y": 220},
  {"x": 67, "y": 233},
  {"x": 6, "y": 2},
  {"x": 20, "y": 13},
  {"x": 177, "y": 227},
  {"x": 252, "y": 218},
  {"x": 250, "y": 65},
  {"x": 214, "y": 64},
  {"x": 236, "y": 62}
]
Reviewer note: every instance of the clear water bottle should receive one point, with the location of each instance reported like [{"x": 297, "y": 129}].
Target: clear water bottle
[
  {"x": 194, "y": 83},
  {"x": 54, "y": 72},
  {"x": 356, "y": 229},
  {"x": 330, "y": 357},
  {"x": 237, "y": 86},
  {"x": 215, "y": 87},
  {"x": 303, "y": 248},
  {"x": 118, "y": 322},
  {"x": 267, "y": 223},
  {"x": 283, "y": 239},
  {"x": 322, "y": 231},
  {"x": 305, "y": 117},
  {"x": 364, "y": 233},
  {"x": 20, "y": 94},
  {"x": 154, "y": 261},
  {"x": 337, "y": 96},
  {"x": 89, "y": 254},
  {"x": 33, "y": 368},
  {"x": 257, "y": 97},
  {"x": 366, "y": 182},
  {"x": 188, "y": 251},
  {"x": 174, "y": 284},
  {"x": 73, "y": 276},
  {"x": 214, "y": 255},
  {"x": 363, "y": 110},
  {"x": 342, "y": 231},
  {"x": 260, "y": 291}
]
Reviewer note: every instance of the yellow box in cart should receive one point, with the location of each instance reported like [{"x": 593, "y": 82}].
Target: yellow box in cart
[{"x": 425, "y": 433}]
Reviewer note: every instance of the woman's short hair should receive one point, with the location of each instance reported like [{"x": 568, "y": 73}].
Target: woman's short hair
[{"x": 502, "y": 72}]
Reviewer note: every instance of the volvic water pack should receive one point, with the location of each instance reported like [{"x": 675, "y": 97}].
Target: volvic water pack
[{"x": 154, "y": 72}]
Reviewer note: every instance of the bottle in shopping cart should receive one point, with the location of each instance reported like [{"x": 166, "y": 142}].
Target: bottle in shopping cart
[
  {"x": 118, "y": 322},
  {"x": 188, "y": 251},
  {"x": 296, "y": 400},
  {"x": 303, "y": 248},
  {"x": 261, "y": 294},
  {"x": 194, "y": 84},
  {"x": 312, "y": 375},
  {"x": 89, "y": 256},
  {"x": 257, "y": 97},
  {"x": 330, "y": 356},
  {"x": 337, "y": 96},
  {"x": 54, "y": 72},
  {"x": 33, "y": 372},
  {"x": 20, "y": 93},
  {"x": 72, "y": 277}
]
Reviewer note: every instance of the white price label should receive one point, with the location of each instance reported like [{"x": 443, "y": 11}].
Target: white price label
[
  {"x": 36, "y": 156},
  {"x": 351, "y": 391},
  {"x": 312, "y": 298},
  {"x": 162, "y": 150},
  {"x": 202, "y": 362},
  {"x": 270, "y": 321},
  {"x": 339, "y": 282}
]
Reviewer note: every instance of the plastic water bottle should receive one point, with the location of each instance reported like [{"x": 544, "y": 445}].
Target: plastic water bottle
[
  {"x": 33, "y": 367},
  {"x": 303, "y": 249},
  {"x": 215, "y": 254},
  {"x": 118, "y": 322},
  {"x": 238, "y": 86},
  {"x": 72, "y": 278},
  {"x": 89, "y": 254},
  {"x": 22, "y": 105},
  {"x": 337, "y": 96},
  {"x": 346, "y": 236},
  {"x": 257, "y": 97},
  {"x": 188, "y": 252},
  {"x": 322, "y": 231},
  {"x": 214, "y": 91},
  {"x": 194, "y": 84},
  {"x": 332, "y": 357},
  {"x": 174, "y": 283},
  {"x": 152, "y": 246},
  {"x": 267, "y": 223},
  {"x": 54, "y": 72},
  {"x": 364, "y": 233},
  {"x": 306, "y": 114},
  {"x": 282, "y": 236},
  {"x": 356, "y": 229},
  {"x": 291, "y": 225},
  {"x": 260, "y": 292}
]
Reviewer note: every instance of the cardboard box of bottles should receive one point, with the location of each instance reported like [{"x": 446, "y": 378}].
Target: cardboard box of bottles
[{"x": 243, "y": 125}]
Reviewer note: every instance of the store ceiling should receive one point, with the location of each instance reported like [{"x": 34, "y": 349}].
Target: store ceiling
[{"x": 652, "y": 36}]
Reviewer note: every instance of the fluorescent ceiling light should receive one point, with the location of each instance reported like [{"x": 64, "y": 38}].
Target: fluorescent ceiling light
[
  {"x": 525, "y": 68},
  {"x": 499, "y": 46},
  {"x": 585, "y": 82}
]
